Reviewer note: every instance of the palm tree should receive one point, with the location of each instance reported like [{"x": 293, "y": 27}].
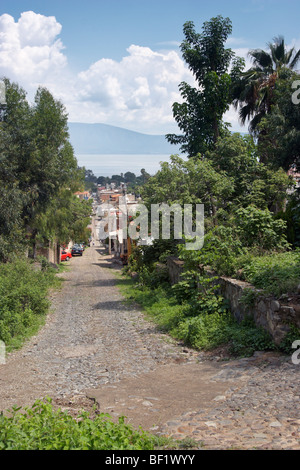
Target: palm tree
[{"x": 255, "y": 93}]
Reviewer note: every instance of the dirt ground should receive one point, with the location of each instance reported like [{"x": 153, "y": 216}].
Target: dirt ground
[{"x": 161, "y": 395}]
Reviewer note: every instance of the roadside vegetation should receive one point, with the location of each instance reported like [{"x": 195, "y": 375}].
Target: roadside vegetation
[
  {"x": 251, "y": 204},
  {"x": 39, "y": 175},
  {"x": 204, "y": 324},
  {"x": 42, "y": 427},
  {"x": 192, "y": 311},
  {"x": 24, "y": 302}
]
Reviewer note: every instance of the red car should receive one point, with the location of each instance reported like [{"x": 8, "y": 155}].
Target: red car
[{"x": 65, "y": 256}]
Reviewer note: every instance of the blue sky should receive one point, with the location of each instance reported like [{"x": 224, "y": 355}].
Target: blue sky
[{"x": 118, "y": 61}]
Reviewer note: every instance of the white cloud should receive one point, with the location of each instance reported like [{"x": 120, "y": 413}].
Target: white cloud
[
  {"x": 37, "y": 30},
  {"x": 29, "y": 51},
  {"x": 136, "y": 92},
  {"x": 176, "y": 44},
  {"x": 233, "y": 41},
  {"x": 231, "y": 117},
  {"x": 244, "y": 53}
]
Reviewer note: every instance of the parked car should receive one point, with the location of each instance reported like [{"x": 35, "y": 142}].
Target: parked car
[
  {"x": 77, "y": 250},
  {"x": 65, "y": 256}
]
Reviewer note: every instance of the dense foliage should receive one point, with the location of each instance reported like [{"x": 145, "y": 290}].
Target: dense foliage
[
  {"x": 276, "y": 275},
  {"x": 279, "y": 130},
  {"x": 38, "y": 173},
  {"x": 130, "y": 179},
  {"x": 198, "y": 318},
  {"x": 251, "y": 205},
  {"x": 255, "y": 94},
  {"x": 41, "y": 427},
  {"x": 24, "y": 301},
  {"x": 38, "y": 178},
  {"x": 215, "y": 69}
]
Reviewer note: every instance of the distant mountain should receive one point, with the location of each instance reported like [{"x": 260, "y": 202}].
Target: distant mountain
[{"x": 106, "y": 139}]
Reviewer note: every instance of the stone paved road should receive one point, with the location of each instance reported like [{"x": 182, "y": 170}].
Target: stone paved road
[
  {"x": 90, "y": 338},
  {"x": 93, "y": 345},
  {"x": 263, "y": 413}
]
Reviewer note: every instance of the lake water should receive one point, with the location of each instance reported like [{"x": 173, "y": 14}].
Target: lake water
[{"x": 108, "y": 165}]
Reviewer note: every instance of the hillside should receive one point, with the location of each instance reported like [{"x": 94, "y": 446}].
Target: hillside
[{"x": 106, "y": 139}]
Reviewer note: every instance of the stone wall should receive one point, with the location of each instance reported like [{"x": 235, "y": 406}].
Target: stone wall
[
  {"x": 51, "y": 251},
  {"x": 272, "y": 314},
  {"x": 175, "y": 269}
]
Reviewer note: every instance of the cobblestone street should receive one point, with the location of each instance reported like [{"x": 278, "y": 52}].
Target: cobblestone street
[{"x": 95, "y": 348}]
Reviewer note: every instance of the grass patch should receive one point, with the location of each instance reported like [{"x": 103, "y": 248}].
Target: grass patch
[
  {"x": 276, "y": 274},
  {"x": 201, "y": 331},
  {"x": 43, "y": 428},
  {"x": 24, "y": 300}
]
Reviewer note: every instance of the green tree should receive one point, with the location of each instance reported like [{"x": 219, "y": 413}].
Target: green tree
[
  {"x": 259, "y": 227},
  {"x": 255, "y": 93},
  {"x": 36, "y": 162},
  {"x": 117, "y": 179},
  {"x": 66, "y": 218},
  {"x": 254, "y": 183},
  {"x": 55, "y": 164},
  {"x": 195, "y": 181},
  {"x": 144, "y": 176},
  {"x": 15, "y": 151},
  {"x": 52, "y": 164},
  {"x": 11, "y": 229},
  {"x": 291, "y": 215},
  {"x": 90, "y": 180},
  {"x": 129, "y": 177},
  {"x": 279, "y": 131},
  {"x": 103, "y": 180},
  {"x": 200, "y": 115}
]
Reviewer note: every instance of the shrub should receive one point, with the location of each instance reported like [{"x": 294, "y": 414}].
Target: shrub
[
  {"x": 257, "y": 227},
  {"x": 277, "y": 274},
  {"x": 221, "y": 249},
  {"x": 246, "y": 338},
  {"x": 23, "y": 299},
  {"x": 200, "y": 292},
  {"x": 43, "y": 428},
  {"x": 202, "y": 331},
  {"x": 206, "y": 332},
  {"x": 153, "y": 276}
]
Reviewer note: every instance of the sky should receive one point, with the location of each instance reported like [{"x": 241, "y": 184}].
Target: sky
[{"x": 118, "y": 62}]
